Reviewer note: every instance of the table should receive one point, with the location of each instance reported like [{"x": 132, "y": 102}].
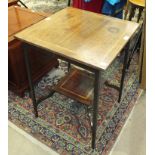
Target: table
[
  {"x": 12, "y": 2},
  {"x": 15, "y": 2},
  {"x": 19, "y": 19},
  {"x": 133, "y": 5},
  {"x": 86, "y": 39}
]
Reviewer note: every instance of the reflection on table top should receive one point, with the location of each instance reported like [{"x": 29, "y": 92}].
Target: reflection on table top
[
  {"x": 86, "y": 37},
  {"x": 20, "y": 18}
]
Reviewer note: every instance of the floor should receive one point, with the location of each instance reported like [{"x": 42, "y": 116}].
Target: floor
[
  {"x": 130, "y": 142},
  {"x": 132, "y": 138}
]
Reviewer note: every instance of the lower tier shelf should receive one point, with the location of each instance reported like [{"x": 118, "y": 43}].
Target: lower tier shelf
[{"x": 78, "y": 85}]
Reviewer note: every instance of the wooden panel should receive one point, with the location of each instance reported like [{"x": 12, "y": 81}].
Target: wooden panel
[
  {"x": 143, "y": 49},
  {"x": 12, "y": 2},
  {"x": 41, "y": 61},
  {"x": 84, "y": 36},
  {"x": 77, "y": 85},
  {"x": 20, "y": 18},
  {"x": 143, "y": 84},
  {"x": 138, "y": 2}
]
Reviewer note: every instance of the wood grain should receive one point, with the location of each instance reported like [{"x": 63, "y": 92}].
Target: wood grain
[
  {"x": 20, "y": 18},
  {"x": 41, "y": 61},
  {"x": 12, "y": 2},
  {"x": 78, "y": 85},
  {"x": 138, "y": 2},
  {"x": 83, "y": 36},
  {"x": 143, "y": 50}
]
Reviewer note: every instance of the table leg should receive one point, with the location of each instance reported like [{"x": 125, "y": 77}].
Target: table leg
[
  {"x": 140, "y": 13},
  {"x": 22, "y": 4},
  {"x": 124, "y": 70},
  {"x": 136, "y": 47},
  {"x": 141, "y": 67},
  {"x": 69, "y": 65},
  {"x": 132, "y": 12},
  {"x": 29, "y": 74},
  {"x": 141, "y": 55},
  {"x": 95, "y": 106},
  {"x": 69, "y": 3}
]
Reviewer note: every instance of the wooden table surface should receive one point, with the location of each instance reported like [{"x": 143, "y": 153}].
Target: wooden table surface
[
  {"x": 42, "y": 62},
  {"x": 83, "y": 36},
  {"x": 138, "y": 2},
  {"x": 12, "y": 2},
  {"x": 20, "y": 18}
]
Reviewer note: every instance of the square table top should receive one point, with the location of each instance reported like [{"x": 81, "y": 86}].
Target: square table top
[{"x": 86, "y": 37}]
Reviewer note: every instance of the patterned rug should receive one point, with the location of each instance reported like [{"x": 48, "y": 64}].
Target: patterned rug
[{"x": 64, "y": 124}]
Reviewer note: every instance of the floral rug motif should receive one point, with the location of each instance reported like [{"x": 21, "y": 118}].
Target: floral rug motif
[{"x": 64, "y": 124}]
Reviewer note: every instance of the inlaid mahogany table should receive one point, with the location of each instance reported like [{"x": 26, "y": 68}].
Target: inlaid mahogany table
[
  {"x": 85, "y": 39},
  {"x": 42, "y": 62}
]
